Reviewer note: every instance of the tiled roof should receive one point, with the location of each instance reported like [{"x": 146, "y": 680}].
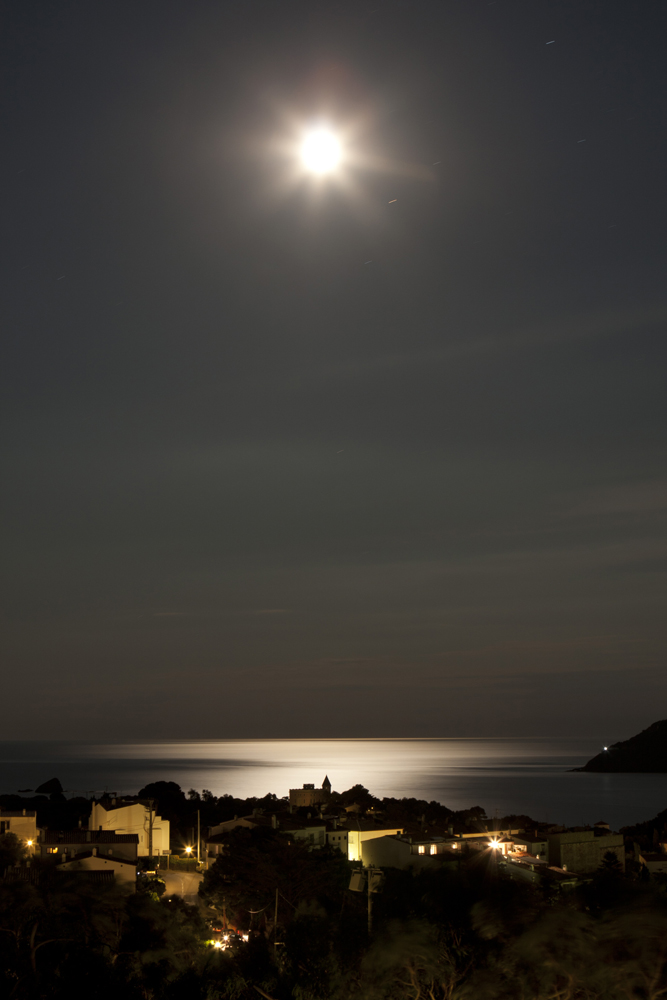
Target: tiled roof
[
  {"x": 367, "y": 826},
  {"x": 87, "y": 874},
  {"x": 54, "y": 837},
  {"x": 297, "y": 824},
  {"x": 35, "y": 875},
  {"x": 102, "y": 857}
]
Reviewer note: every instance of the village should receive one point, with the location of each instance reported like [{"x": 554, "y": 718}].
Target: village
[{"x": 127, "y": 837}]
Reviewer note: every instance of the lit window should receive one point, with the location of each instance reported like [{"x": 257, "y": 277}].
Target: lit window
[
  {"x": 51, "y": 850},
  {"x": 422, "y": 849},
  {"x": 434, "y": 849}
]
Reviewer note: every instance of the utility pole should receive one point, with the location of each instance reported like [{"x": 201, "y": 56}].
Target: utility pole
[
  {"x": 275, "y": 927},
  {"x": 369, "y": 881},
  {"x": 374, "y": 883},
  {"x": 150, "y": 828},
  {"x": 198, "y": 836}
]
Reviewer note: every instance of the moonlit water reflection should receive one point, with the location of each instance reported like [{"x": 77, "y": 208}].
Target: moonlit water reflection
[{"x": 524, "y": 776}]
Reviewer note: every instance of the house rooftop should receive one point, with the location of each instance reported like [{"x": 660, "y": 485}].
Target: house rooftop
[
  {"x": 96, "y": 875},
  {"x": 296, "y": 823},
  {"x": 82, "y": 855},
  {"x": 16, "y": 813},
  {"x": 364, "y": 825},
  {"x": 79, "y": 836}
]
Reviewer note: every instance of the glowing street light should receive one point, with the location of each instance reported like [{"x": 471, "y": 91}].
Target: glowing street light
[
  {"x": 188, "y": 850},
  {"x": 320, "y": 151}
]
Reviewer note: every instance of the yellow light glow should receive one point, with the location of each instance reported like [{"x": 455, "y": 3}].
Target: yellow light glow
[
  {"x": 320, "y": 151},
  {"x": 217, "y": 944},
  {"x": 188, "y": 850},
  {"x": 29, "y": 843},
  {"x": 494, "y": 844}
]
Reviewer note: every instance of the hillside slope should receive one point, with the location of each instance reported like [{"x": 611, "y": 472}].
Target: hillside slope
[{"x": 646, "y": 752}]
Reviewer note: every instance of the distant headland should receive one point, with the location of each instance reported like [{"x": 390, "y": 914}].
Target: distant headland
[{"x": 644, "y": 753}]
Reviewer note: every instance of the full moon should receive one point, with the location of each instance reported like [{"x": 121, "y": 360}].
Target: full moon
[{"x": 320, "y": 151}]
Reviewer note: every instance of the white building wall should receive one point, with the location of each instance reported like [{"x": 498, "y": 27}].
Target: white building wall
[
  {"x": 132, "y": 818},
  {"x": 124, "y": 872},
  {"x": 25, "y": 827},
  {"x": 356, "y": 838},
  {"x": 339, "y": 839}
]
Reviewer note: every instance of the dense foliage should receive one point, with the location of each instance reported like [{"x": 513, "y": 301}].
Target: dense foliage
[
  {"x": 463, "y": 930},
  {"x": 452, "y": 933}
]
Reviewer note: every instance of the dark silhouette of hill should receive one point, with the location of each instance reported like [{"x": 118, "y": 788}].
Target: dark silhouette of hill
[{"x": 646, "y": 752}]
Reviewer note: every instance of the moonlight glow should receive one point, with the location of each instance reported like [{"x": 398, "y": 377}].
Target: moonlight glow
[{"x": 320, "y": 151}]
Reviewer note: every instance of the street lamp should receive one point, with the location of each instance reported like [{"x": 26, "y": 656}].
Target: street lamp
[{"x": 320, "y": 151}]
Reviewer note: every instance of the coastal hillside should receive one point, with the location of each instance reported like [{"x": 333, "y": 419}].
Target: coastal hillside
[{"x": 646, "y": 752}]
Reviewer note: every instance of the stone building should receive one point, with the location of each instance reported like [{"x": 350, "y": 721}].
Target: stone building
[
  {"x": 304, "y": 798},
  {"x": 584, "y": 850}
]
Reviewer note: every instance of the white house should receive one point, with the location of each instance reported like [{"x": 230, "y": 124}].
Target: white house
[
  {"x": 338, "y": 838},
  {"x": 123, "y": 869},
  {"x": 366, "y": 831},
  {"x": 132, "y": 816},
  {"x": 63, "y": 845},
  {"x": 21, "y": 822},
  {"x": 396, "y": 851}
]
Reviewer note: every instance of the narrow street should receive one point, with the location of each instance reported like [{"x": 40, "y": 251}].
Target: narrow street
[{"x": 185, "y": 884}]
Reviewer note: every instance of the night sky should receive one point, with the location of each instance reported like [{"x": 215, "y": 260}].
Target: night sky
[{"x": 375, "y": 454}]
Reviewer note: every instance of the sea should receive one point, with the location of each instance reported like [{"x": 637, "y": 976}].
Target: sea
[{"x": 532, "y": 777}]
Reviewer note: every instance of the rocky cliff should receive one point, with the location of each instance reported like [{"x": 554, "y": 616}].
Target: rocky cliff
[{"x": 646, "y": 752}]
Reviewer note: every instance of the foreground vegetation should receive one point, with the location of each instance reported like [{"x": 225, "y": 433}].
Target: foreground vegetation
[{"x": 459, "y": 932}]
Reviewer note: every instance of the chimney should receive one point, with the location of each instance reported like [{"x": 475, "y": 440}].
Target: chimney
[
  {"x": 79, "y": 824},
  {"x": 335, "y": 822},
  {"x": 94, "y": 852},
  {"x": 24, "y": 812}
]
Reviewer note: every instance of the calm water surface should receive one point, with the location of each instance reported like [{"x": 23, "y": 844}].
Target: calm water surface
[{"x": 528, "y": 776}]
